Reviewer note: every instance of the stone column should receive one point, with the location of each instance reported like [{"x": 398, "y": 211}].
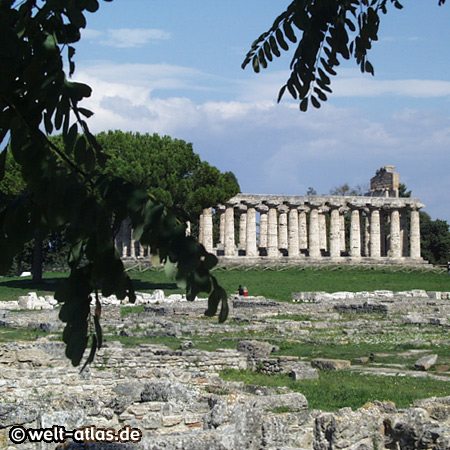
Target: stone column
[
  {"x": 342, "y": 231},
  {"x": 323, "y": 229},
  {"x": 355, "y": 235},
  {"x": 221, "y": 210},
  {"x": 207, "y": 234},
  {"x": 395, "y": 242},
  {"x": 366, "y": 248},
  {"x": 383, "y": 237},
  {"x": 229, "y": 245},
  {"x": 132, "y": 246},
  {"x": 272, "y": 232},
  {"x": 404, "y": 232},
  {"x": 293, "y": 246},
  {"x": 335, "y": 233},
  {"x": 375, "y": 237},
  {"x": 414, "y": 243},
  {"x": 263, "y": 227},
  {"x": 283, "y": 228},
  {"x": 314, "y": 233},
  {"x": 251, "y": 248},
  {"x": 242, "y": 226},
  {"x": 302, "y": 229}
]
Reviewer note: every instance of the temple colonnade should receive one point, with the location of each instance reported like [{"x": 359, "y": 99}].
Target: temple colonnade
[{"x": 261, "y": 228}]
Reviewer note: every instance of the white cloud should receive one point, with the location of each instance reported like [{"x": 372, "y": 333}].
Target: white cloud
[
  {"x": 273, "y": 148},
  {"x": 126, "y": 37},
  {"x": 371, "y": 87}
]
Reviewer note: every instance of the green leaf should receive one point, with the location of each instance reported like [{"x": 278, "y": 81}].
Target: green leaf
[
  {"x": 289, "y": 32},
  {"x": 98, "y": 331},
  {"x": 70, "y": 138},
  {"x": 224, "y": 308},
  {"x": 320, "y": 94},
  {"x": 315, "y": 102},
  {"x": 369, "y": 68},
  {"x": 170, "y": 270},
  {"x": 85, "y": 112},
  {"x": 280, "y": 39},
  {"x": 267, "y": 51},
  {"x": 262, "y": 59},
  {"x": 304, "y": 104},
  {"x": 274, "y": 46},
  {"x": 91, "y": 356},
  {"x": 281, "y": 93},
  {"x": 255, "y": 63}
]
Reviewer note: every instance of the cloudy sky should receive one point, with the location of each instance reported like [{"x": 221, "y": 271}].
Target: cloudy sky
[{"x": 173, "y": 68}]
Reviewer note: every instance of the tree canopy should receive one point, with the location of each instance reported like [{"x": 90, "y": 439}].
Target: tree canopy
[
  {"x": 323, "y": 33},
  {"x": 346, "y": 189},
  {"x": 66, "y": 188},
  {"x": 169, "y": 170}
]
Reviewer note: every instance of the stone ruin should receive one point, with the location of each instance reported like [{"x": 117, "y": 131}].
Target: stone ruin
[
  {"x": 178, "y": 400},
  {"x": 296, "y": 230}
]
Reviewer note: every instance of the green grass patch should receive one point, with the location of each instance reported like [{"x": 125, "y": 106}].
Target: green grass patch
[
  {"x": 13, "y": 287},
  {"x": 272, "y": 284},
  {"x": 279, "y": 285},
  {"x": 382, "y": 353},
  {"x": 335, "y": 390},
  {"x": 127, "y": 310},
  {"x": 8, "y": 334},
  {"x": 293, "y": 317}
]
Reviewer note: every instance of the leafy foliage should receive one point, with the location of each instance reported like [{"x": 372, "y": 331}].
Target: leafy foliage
[
  {"x": 345, "y": 189},
  {"x": 169, "y": 170},
  {"x": 434, "y": 234},
  {"x": 330, "y": 30},
  {"x": 435, "y": 239},
  {"x": 66, "y": 187}
]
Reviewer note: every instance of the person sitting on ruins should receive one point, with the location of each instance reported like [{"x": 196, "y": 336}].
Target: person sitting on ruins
[
  {"x": 240, "y": 290},
  {"x": 245, "y": 292}
]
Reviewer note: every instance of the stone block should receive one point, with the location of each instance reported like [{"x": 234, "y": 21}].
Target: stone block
[
  {"x": 303, "y": 373},
  {"x": 331, "y": 364},
  {"x": 426, "y": 362},
  {"x": 152, "y": 421},
  {"x": 293, "y": 401},
  {"x": 255, "y": 349},
  {"x": 170, "y": 421}
]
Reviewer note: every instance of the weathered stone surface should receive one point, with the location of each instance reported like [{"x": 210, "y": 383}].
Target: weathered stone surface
[
  {"x": 426, "y": 362},
  {"x": 303, "y": 371},
  {"x": 330, "y": 364},
  {"x": 294, "y": 402},
  {"x": 255, "y": 349}
]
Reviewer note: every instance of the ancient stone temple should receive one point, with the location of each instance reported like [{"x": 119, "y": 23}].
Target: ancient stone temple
[{"x": 377, "y": 228}]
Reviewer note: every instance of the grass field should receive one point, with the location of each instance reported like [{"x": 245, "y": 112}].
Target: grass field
[
  {"x": 339, "y": 389},
  {"x": 272, "y": 284}
]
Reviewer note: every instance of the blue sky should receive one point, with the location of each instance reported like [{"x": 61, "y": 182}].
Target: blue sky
[{"x": 173, "y": 68}]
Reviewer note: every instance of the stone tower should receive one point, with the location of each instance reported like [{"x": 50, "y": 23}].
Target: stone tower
[{"x": 384, "y": 183}]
